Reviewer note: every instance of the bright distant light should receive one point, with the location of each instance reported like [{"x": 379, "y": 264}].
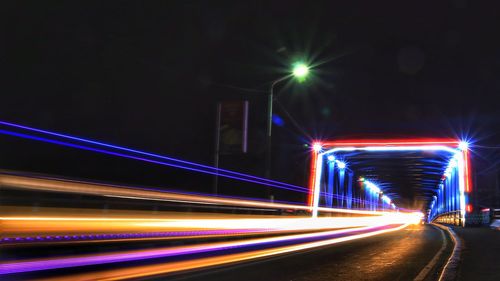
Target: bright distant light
[
  {"x": 415, "y": 217},
  {"x": 372, "y": 186},
  {"x": 331, "y": 158},
  {"x": 317, "y": 147},
  {"x": 300, "y": 70},
  {"x": 463, "y": 145},
  {"x": 341, "y": 164}
]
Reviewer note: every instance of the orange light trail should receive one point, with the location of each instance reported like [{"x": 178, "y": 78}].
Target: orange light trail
[
  {"x": 289, "y": 233},
  {"x": 301, "y": 243},
  {"x": 93, "y": 227},
  {"x": 76, "y": 187},
  {"x": 181, "y": 266}
]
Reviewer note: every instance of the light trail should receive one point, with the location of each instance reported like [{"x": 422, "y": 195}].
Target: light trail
[
  {"x": 246, "y": 178},
  {"x": 111, "y": 149},
  {"x": 92, "y": 227},
  {"x": 120, "y": 151},
  {"x": 289, "y": 234},
  {"x": 181, "y": 266},
  {"x": 65, "y": 186},
  {"x": 289, "y": 242},
  {"x": 247, "y": 237},
  {"x": 84, "y": 225}
]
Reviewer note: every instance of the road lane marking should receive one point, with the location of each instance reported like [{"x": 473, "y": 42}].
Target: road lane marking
[{"x": 425, "y": 271}]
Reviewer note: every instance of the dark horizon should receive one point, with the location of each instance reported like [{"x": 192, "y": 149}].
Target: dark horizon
[{"x": 149, "y": 75}]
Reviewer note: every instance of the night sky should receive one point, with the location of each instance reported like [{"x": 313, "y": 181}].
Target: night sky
[{"x": 149, "y": 74}]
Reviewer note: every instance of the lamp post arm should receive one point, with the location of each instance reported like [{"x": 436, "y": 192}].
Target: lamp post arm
[{"x": 270, "y": 100}]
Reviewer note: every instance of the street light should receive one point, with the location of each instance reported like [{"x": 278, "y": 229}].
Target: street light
[{"x": 300, "y": 71}]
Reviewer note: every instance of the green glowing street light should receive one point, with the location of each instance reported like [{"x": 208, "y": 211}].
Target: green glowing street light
[{"x": 300, "y": 71}]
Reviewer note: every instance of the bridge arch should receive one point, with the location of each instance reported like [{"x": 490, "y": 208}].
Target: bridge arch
[{"x": 332, "y": 181}]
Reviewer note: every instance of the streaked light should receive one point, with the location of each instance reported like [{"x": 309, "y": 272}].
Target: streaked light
[
  {"x": 295, "y": 242},
  {"x": 172, "y": 162},
  {"x": 331, "y": 158},
  {"x": 126, "y": 226},
  {"x": 162, "y": 268},
  {"x": 74, "y": 187}
]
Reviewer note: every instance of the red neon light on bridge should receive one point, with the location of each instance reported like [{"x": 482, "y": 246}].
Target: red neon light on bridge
[{"x": 392, "y": 142}]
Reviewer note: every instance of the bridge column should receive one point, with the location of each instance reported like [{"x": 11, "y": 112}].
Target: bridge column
[
  {"x": 330, "y": 184},
  {"x": 349, "y": 189},
  {"x": 341, "y": 192}
]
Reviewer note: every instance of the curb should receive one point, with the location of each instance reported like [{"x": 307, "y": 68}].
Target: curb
[{"x": 450, "y": 269}]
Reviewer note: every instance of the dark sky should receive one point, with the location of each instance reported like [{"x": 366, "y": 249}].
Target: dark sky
[{"x": 148, "y": 74}]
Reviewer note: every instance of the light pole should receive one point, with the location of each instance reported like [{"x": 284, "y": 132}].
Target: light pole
[{"x": 299, "y": 71}]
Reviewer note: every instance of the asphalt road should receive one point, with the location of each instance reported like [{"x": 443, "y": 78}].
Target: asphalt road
[{"x": 399, "y": 255}]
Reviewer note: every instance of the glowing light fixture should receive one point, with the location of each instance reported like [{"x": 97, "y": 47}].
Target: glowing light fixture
[
  {"x": 300, "y": 71},
  {"x": 386, "y": 199},
  {"x": 463, "y": 145},
  {"x": 340, "y": 164},
  {"x": 317, "y": 147},
  {"x": 469, "y": 208},
  {"x": 331, "y": 158},
  {"x": 372, "y": 186}
]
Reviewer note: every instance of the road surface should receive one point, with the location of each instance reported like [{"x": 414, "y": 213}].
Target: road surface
[{"x": 399, "y": 255}]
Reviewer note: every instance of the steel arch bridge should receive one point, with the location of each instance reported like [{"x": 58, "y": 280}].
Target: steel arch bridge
[{"x": 341, "y": 176}]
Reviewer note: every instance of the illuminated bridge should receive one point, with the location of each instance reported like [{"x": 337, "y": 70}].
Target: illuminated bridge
[
  {"x": 434, "y": 171},
  {"x": 364, "y": 197}
]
